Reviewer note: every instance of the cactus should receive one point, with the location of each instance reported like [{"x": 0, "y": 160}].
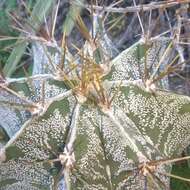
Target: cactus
[{"x": 106, "y": 124}]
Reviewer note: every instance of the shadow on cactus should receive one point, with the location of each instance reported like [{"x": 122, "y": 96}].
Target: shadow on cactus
[{"x": 94, "y": 121}]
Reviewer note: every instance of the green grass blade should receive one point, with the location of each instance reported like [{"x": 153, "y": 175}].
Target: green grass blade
[
  {"x": 72, "y": 15},
  {"x": 40, "y": 10}
]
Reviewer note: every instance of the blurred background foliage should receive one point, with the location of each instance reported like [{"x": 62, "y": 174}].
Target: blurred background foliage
[{"x": 5, "y": 27}]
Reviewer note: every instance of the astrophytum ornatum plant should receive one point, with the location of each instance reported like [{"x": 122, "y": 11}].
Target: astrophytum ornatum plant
[{"x": 99, "y": 126}]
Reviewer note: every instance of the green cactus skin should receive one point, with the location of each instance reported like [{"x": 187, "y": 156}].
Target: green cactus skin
[{"x": 94, "y": 146}]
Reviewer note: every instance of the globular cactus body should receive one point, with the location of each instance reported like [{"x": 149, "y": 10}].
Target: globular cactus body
[
  {"x": 100, "y": 124},
  {"x": 104, "y": 133}
]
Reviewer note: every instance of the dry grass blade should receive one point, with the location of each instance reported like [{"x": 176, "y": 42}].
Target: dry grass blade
[
  {"x": 19, "y": 106},
  {"x": 170, "y": 161},
  {"x": 6, "y": 38},
  {"x": 117, "y": 20},
  {"x": 169, "y": 70},
  {"x": 140, "y": 20},
  {"x": 83, "y": 29},
  {"x": 155, "y": 183},
  {"x": 16, "y": 94},
  {"x": 138, "y": 8},
  {"x": 168, "y": 49},
  {"x": 54, "y": 20},
  {"x": 64, "y": 47},
  {"x": 50, "y": 61},
  {"x": 174, "y": 176}
]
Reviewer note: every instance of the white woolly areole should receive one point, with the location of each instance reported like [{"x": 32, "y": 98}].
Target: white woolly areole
[
  {"x": 150, "y": 87},
  {"x": 81, "y": 99}
]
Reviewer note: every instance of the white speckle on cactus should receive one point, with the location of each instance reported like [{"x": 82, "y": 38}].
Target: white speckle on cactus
[
  {"x": 23, "y": 172},
  {"x": 131, "y": 142},
  {"x": 160, "y": 113},
  {"x": 55, "y": 125}
]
